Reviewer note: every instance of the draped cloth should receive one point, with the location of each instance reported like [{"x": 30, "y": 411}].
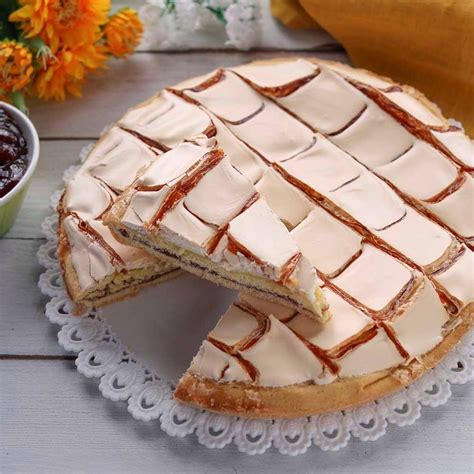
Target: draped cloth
[{"x": 428, "y": 44}]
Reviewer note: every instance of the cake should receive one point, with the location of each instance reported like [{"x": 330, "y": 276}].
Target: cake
[
  {"x": 191, "y": 207},
  {"x": 375, "y": 187}
]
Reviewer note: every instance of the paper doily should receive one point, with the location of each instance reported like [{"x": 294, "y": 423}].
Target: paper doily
[{"x": 123, "y": 376}]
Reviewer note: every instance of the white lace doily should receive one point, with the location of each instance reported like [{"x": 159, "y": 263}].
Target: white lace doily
[{"x": 104, "y": 350}]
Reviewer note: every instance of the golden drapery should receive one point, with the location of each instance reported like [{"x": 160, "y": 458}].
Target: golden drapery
[{"x": 428, "y": 44}]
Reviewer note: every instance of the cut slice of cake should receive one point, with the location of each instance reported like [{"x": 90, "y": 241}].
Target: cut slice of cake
[{"x": 194, "y": 209}]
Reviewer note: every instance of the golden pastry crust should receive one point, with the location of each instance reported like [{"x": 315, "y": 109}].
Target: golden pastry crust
[{"x": 309, "y": 399}]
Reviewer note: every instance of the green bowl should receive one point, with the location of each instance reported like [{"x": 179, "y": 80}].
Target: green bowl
[{"x": 11, "y": 203}]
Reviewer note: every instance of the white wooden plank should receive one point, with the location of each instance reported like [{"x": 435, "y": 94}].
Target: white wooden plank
[
  {"x": 127, "y": 82},
  {"x": 24, "y": 330},
  {"x": 55, "y": 157},
  {"x": 55, "y": 420}
]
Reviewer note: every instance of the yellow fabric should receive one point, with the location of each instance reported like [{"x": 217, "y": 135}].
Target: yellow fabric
[
  {"x": 292, "y": 14},
  {"x": 428, "y": 44}
]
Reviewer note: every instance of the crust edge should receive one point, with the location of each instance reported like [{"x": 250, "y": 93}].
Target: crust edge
[{"x": 309, "y": 399}]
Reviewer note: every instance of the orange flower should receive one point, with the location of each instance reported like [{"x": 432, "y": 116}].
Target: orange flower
[
  {"x": 123, "y": 32},
  {"x": 62, "y": 22},
  {"x": 65, "y": 72},
  {"x": 15, "y": 67}
]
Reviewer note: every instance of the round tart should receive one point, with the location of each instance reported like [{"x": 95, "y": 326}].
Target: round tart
[{"x": 373, "y": 185}]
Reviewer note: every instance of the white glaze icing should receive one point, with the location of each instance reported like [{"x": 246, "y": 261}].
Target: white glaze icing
[
  {"x": 327, "y": 103},
  {"x": 422, "y": 172},
  {"x": 234, "y": 326},
  {"x": 421, "y": 240},
  {"x": 374, "y": 278},
  {"x": 323, "y": 167},
  {"x": 360, "y": 75},
  {"x": 288, "y": 202},
  {"x": 458, "y": 279},
  {"x": 346, "y": 322},
  {"x": 457, "y": 209},
  {"x": 282, "y": 360},
  {"x": 375, "y": 138},
  {"x": 91, "y": 262},
  {"x": 275, "y": 74},
  {"x": 132, "y": 257},
  {"x": 415, "y": 107},
  {"x": 210, "y": 362},
  {"x": 161, "y": 119},
  {"x": 370, "y": 201},
  {"x": 325, "y": 241},
  {"x": 172, "y": 165},
  {"x": 377, "y": 354},
  {"x": 274, "y": 133},
  {"x": 220, "y": 195},
  {"x": 459, "y": 144},
  {"x": 230, "y": 98},
  {"x": 117, "y": 158},
  {"x": 86, "y": 196},
  {"x": 186, "y": 229},
  {"x": 244, "y": 159},
  {"x": 144, "y": 204},
  {"x": 420, "y": 327},
  {"x": 256, "y": 227}
]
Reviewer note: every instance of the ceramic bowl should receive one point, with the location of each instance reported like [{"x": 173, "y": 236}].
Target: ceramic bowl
[{"x": 10, "y": 204}]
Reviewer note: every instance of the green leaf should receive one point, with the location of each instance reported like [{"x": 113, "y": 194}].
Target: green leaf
[
  {"x": 18, "y": 100},
  {"x": 218, "y": 13}
]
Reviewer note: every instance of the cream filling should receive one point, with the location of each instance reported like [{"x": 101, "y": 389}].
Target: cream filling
[{"x": 203, "y": 266}]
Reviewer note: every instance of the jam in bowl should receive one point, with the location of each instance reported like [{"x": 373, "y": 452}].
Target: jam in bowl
[
  {"x": 19, "y": 151},
  {"x": 13, "y": 153}
]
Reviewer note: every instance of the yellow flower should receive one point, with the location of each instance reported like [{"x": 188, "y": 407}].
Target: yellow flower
[
  {"x": 15, "y": 67},
  {"x": 65, "y": 72},
  {"x": 123, "y": 32},
  {"x": 62, "y": 22}
]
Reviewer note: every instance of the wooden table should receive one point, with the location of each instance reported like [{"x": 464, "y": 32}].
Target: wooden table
[{"x": 52, "y": 419}]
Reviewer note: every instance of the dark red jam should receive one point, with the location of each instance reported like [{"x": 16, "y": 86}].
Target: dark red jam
[{"x": 13, "y": 153}]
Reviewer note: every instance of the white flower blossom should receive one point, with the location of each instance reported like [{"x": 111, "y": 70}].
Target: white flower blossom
[
  {"x": 171, "y": 23},
  {"x": 243, "y": 24}
]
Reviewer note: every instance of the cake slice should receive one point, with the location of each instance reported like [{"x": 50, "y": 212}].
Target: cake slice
[{"x": 192, "y": 208}]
